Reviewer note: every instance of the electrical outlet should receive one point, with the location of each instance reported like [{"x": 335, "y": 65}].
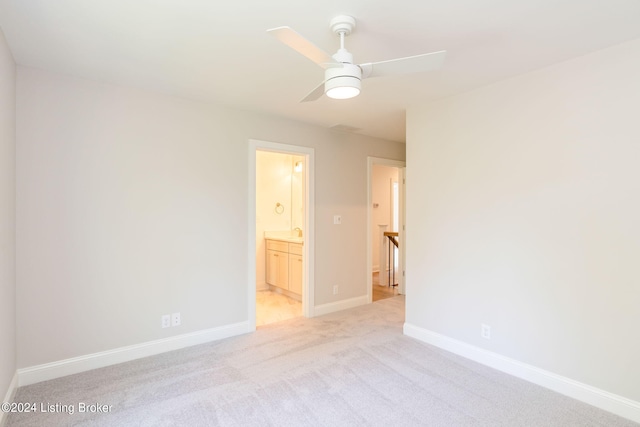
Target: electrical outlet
[
  {"x": 337, "y": 219},
  {"x": 166, "y": 321},
  {"x": 175, "y": 319},
  {"x": 335, "y": 289},
  {"x": 485, "y": 332}
]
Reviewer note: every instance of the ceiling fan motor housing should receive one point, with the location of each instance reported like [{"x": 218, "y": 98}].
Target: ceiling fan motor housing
[
  {"x": 343, "y": 56},
  {"x": 347, "y": 76}
]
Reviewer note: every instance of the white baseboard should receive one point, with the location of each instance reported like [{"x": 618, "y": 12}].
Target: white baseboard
[
  {"x": 602, "y": 399},
  {"x": 11, "y": 392},
  {"x": 321, "y": 310},
  {"x": 79, "y": 364}
]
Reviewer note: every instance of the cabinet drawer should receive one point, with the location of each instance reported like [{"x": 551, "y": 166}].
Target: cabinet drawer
[
  {"x": 295, "y": 248},
  {"x": 274, "y": 245}
]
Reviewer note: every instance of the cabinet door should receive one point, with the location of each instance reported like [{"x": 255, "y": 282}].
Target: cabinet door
[
  {"x": 283, "y": 270},
  {"x": 278, "y": 269},
  {"x": 272, "y": 268},
  {"x": 295, "y": 274}
]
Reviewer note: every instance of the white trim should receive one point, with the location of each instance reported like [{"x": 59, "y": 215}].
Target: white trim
[
  {"x": 308, "y": 286},
  {"x": 74, "y": 365},
  {"x": 402, "y": 182},
  {"x": 400, "y": 164},
  {"x": 11, "y": 393},
  {"x": 332, "y": 307},
  {"x": 602, "y": 399}
]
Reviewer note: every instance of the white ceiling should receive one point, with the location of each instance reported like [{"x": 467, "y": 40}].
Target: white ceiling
[{"x": 219, "y": 51}]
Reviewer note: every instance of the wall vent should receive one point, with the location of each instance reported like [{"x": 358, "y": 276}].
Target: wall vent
[{"x": 345, "y": 128}]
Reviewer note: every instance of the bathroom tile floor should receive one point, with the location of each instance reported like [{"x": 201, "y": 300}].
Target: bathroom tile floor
[{"x": 273, "y": 307}]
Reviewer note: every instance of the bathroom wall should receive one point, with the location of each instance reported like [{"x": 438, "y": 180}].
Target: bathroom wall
[{"x": 297, "y": 193}]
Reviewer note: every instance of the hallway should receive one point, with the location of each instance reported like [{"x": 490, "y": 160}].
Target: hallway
[{"x": 382, "y": 292}]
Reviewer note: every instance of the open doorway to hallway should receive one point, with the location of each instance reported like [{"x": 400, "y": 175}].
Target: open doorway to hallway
[{"x": 386, "y": 228}]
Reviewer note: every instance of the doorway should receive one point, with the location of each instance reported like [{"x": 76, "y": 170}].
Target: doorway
[
  {"x": 281, "y": 234},
  {"x": 386, "y": 225}
]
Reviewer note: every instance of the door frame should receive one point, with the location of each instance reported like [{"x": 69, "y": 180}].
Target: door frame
[
  {"x": 308, "y": 219},
  {"x": 401, "y": 165}
]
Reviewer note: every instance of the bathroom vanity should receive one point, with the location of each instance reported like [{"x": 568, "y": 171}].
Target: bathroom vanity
[{"x": 284, "y": 264}]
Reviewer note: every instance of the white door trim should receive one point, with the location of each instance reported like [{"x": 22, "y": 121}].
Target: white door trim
[
  {"x": 402, "y": 182},
  {"x": 400, "y": 165},
  {"x": 309, "y": 227}
]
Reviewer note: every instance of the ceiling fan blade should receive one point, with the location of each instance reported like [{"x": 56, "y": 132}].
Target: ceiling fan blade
[
  {"x": 314, "y": 94},
  {"x": 301, "y": 45},
  {"x": 410, "y": 64}
]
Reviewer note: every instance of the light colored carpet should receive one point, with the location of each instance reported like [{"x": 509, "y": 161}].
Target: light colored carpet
[{"x": 352, "y": 368}]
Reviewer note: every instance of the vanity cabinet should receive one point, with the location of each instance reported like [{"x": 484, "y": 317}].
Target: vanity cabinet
[
  {"x": 284, "y": 265},
  {"x": 278, "y": 264},
  {"x": 295, "y": 268}
]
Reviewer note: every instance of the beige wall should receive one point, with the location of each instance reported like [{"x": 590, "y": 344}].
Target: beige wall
[
  {"x": 7, "y": 217},
  {"x": 131, "y": 205},
  {"x": 523, "y": 206}
]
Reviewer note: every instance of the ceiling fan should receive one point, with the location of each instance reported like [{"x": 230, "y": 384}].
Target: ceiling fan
[{"x": 342, "y": 78}]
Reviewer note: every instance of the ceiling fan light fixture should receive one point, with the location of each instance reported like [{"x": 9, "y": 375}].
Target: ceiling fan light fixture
[
  {"x": 343, "y": 83},
  {"x": 343, "y": 92},
  {"x": 342, "y": 88}
]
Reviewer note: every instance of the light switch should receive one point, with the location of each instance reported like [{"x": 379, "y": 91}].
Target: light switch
[{"x": 337, "y": 219}]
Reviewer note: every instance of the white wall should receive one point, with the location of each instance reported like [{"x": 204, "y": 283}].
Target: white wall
[
  {"x": 131, "y": 205},
  {"x": 7, "y": 217},
  {"x": 381, "y": 195},
  {"x": 523, "y": 213}
]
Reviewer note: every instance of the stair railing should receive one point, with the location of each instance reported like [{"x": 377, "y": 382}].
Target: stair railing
[{"x": 392, "y": 236}]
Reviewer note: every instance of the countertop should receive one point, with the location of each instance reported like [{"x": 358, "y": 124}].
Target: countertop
[{"x": 283, "y": 236}]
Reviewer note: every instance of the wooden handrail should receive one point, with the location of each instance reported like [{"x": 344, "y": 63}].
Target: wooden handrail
[{"x": 391, "y": 235}]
